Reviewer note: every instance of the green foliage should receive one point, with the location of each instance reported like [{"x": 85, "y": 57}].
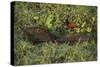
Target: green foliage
[
  {"x": 43, "y": 53},
  {"x": 48, "y": 21},
  {"x": 51, "y": 16}
]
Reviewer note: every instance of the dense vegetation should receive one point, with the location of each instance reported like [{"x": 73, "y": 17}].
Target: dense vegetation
[{"x": 51, "y": 17}]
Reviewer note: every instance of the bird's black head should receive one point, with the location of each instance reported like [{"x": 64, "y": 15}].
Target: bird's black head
[{"x": 66, "y": 21}]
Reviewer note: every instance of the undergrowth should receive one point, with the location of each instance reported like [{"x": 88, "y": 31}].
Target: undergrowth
[
  {"x": 51, "y": 16},
  {"x": 46, "y": 53}
]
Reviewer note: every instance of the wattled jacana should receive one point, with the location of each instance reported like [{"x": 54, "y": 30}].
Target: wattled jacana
[{"x": 69, "y": 24}]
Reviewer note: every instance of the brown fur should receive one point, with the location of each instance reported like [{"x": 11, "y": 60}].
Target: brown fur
[{"x": 38, "y": 34}]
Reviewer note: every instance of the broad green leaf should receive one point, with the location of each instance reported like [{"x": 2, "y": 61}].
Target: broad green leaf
[
  {"x": 93, "y": 18},
  {"x": 83, "y": 30},
  {"x": 89, "y": 29},
  {"x": 36, "y": 17},
  {"x": 83, "y": 24},
  {"x": 48, "y": 21}
]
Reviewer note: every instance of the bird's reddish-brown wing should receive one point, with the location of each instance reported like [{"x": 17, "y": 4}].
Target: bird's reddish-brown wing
[{"x": 72, "y": 25}]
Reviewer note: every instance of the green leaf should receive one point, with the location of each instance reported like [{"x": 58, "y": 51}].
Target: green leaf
[
  {"x": 36, "y": 17},
  {"x": 83, "y": 30},
  {"x": 83, "y": 24},
  {"x": 78, "y": 30},
  {"x": 93, "y": 18},
  {"x": 89, "y": 29},
  {"x": 48, "y": 21}
]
